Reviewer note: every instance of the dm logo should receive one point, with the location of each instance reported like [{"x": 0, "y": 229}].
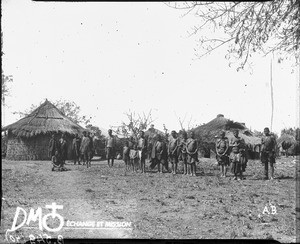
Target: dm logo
[{"x": 37, "y": 216}]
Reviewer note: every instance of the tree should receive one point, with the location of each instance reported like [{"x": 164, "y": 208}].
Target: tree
[
  {"x": 136, "y": 123},
  {"x": 247, "y": 27},
  {"x": 5, "y": 79},
  {"x": 189, "y": 124},
  {"x": 4, "y": 86},
  {"x": 95, "y": 129},
  {"x": 72, "y": 111},
  {"x": 68, "y": 108},
  {"x": 289, "y": 131}
]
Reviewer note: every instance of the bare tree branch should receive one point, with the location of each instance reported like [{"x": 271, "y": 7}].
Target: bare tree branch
[
  {"x": 212, "y": 49},
  {"x": 135, "y": 124},
  {"x": 248, "y": 27}
]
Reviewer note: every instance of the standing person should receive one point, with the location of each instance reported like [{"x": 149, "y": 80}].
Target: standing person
[
  {"x": 173, "y": 151},
  {"x": 110, "y": 145},
  {"x": 84, "y": 147},
  {"x": 238, "y": 155},
  {"x": 142, "y": 147},
  {"x": 149, "y": 150},
  {"x": 90, "y": 149},
  {"x": 268, "y": 150},
  {"x": 182, "y": 151},
  {"x": 134, "y": 157},
  {"x": 159, "y": 153},
  {"x": 192, "y": 153},
  {"x": 76, "y": 149},
  {"x": 63, "y": 148},
  {"x": 126, "y": 159},
  {"x": 222, "y": 146},
  {"x": 53, "y": 146},
  {"x": 165, "y": 161},
  {"x": 131, "y": 142}
]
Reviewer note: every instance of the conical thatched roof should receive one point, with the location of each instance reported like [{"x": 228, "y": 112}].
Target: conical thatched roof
[
  {"x": 45, "y": 119},
  {"x": 151, "y": 132},
  {"x": 210, "y": 130},
  {"x": 253, "y": 140}
]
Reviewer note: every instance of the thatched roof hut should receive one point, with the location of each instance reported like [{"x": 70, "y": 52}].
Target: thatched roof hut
[
  {"x": 293, "y": 146},
  {"x": 152, "y": 132},
  {"x": 208, "y": 132},
  {"x": 287, "y": 138},
  {"x": 28, "y": 138}
]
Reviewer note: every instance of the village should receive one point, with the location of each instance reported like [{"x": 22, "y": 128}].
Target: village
[
  {"x": 27, "y": 161},
  {"x": 29, "y": 138}
]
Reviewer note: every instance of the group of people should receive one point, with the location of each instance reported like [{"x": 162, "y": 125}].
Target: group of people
[
  {"x": 82, "y": 148},
  {"x": 233, "y": 153},
  {"x": 58, "y": 150},
  {"x": 229, "y": 153},
  {"x": 159, "y": 152}
]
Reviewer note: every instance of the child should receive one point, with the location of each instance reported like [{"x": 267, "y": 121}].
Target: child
[
  {"x": 134, "y": 158},
  {"x": 126, "y": 158},
  {"x": 192, "y": 153}
]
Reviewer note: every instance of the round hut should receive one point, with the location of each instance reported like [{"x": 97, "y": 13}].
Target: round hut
[
  {"x": 152, "y": 132},
  {"x": 208, "y": 133},
  {"x": 288, "y": 144},
  {"x": 28, "y": 138}
]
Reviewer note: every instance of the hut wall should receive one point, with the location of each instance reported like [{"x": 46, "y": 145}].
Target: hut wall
[
  {"x": 33, "y": 148},
  {"x": 22, "y": 148}
]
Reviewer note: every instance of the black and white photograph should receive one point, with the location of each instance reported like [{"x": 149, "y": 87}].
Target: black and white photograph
[{"x": 150, "y": 120}]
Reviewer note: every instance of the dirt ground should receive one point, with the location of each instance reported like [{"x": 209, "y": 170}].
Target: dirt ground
[{"x": 157, "y": 205}]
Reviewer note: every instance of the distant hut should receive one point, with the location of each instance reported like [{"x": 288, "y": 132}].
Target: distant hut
[
  {"x": 28, "y": 138},
  {"x": 208, "y": 132},
  {"x": 288, "y": 144},
  {"x": 152, "y": 132}
]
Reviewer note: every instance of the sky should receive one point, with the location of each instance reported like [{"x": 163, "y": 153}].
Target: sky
[{"x": 110, "y": 58}]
